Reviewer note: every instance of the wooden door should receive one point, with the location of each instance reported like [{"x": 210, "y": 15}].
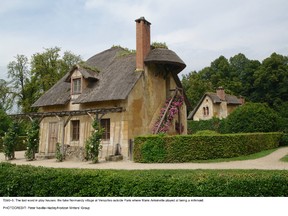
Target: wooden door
[{"x": 53, "y": 137}]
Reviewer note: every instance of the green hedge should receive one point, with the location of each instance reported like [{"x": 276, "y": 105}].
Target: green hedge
[
  {"x": 174, "y": 149},
  {"x": 213, "y": 124},
  {"x": 28, "y": 181}
]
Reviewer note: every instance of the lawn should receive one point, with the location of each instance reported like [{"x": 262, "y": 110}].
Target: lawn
[{"x": 246, "y": 157}]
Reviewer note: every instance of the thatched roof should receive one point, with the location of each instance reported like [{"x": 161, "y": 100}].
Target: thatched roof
[
  {"x": 165, "y": 56},
  {"x": 114, "y": 80}
]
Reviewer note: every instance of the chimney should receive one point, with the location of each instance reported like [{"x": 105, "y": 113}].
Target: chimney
[
  {"x": 142, "y": 42},
  {"x": 221, "y": 93}
]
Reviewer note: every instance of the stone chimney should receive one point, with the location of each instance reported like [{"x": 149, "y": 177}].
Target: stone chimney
[
  {"x": 142, "y": 42},
  {"x": 221, "y": 93}
]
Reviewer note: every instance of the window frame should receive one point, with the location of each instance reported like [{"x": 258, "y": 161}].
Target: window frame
[
  {"x": 75, "y": 130},
  {"x": 105, "y": 123},
  {"x": 76, "y": 85}
]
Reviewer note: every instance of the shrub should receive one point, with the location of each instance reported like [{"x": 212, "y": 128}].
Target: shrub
[
  {"x": 173, "y": 149},
  {"x": 252, "y": 117},
  {"x": 28, "y": 181},
  {"x": 211, "y": 124},
  {"x": 93, "y": 143},
  {"x": 32, "y": 140}
]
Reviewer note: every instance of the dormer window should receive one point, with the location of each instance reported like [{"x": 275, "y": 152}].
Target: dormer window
[{"x": 76, "y": 86}]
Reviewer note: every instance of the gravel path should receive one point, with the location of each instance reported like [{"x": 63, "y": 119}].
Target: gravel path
[{"x": 269, "y": 162}]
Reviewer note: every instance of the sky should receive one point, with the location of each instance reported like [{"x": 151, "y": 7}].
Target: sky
[{"x": 199, "y": 31}]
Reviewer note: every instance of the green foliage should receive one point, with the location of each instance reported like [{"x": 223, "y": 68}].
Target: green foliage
[
  {"x": 59, "y": 154},
  {"x": 195, "y": 87},
  {"x": 28, "y": 181},
  {"x": 253, "y": 80},
  {"x": 88, "y": 67},
  {"x": 30, "y": 81},
  {"x": 174, "y": 149},
  {"x": 153, "y": 151},
  {"x": 32, "y": 141},
  {"x": 10, "y": 140},
  {"x": 284, "y": 140},
  {"x": 252, "y": 117},
  {"x": 161, "y": 45},
  {"x": 93, "y": 143},
  {"x": 211, "y": 124},
  {"x": 125, "y": 51},
  {"x": 4, "y": 122},
  {"x": 6, "y": 96},
  {"x": 206, "y": 132},
  {"x": 18, "y": 71}
]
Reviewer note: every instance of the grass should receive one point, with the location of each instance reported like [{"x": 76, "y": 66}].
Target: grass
[
  {"x": 284, "y": 159},
  {"x": 240, "y": 158}
]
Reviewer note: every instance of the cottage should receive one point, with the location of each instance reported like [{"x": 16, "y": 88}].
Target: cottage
[
  {"x": 213, "y": 104},
  {"x": 125, "y": 91}
]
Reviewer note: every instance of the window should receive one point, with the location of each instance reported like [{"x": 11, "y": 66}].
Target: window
[
  {"x": 75, "y": 130},
  {"x": 206, "y": 111},
  {"x": 105, "y": 123},
  {"x": 76, "y": 88}
]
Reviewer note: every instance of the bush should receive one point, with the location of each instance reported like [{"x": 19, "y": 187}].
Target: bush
[
  {"x": 28, "y": 181},
  {"x": 211, "y": 124},
  {"x": 252, "y": 117},
  {"x": 284, "y": 140},
  {"x": 174, "y": 149}
]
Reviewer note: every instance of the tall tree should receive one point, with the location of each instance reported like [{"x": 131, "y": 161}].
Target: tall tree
[
  {"x": 46, "y": 68},
  {"x": 18, "y": 72},
  {"x": 271, "y": 80},
  {"x": 242, "y": 75}
]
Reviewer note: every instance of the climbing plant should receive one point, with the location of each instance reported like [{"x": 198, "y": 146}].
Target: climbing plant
[
  {"x": 166, "y": 117},
  {"x": 93, "y": 143},
  {"x": 32, "y": 140}
]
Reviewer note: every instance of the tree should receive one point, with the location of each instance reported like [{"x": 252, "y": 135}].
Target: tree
[
  {"x": 46, "y": 68},
  {"x": 6, "y": 96},
  {"x": 271, "y": 80},
  {"x": 252, "y": 117},
  {"x": 242, "y": 75},
  {"x": 18, "y": 71},
  {"x": 195, "y": 87}
]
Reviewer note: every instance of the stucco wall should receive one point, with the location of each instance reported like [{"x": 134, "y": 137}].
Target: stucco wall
[{"x": 141, "y": 110}]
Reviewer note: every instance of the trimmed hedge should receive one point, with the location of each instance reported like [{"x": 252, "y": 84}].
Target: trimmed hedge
[
  {"x": 174, "y": 149},
  {"x": 213, "y": 124},
  {"x": 28, "y": 181}
]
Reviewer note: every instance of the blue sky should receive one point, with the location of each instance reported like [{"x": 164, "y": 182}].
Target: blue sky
[{"x": 198, "y": 31}]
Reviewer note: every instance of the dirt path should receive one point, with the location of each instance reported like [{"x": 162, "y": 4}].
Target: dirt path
[{"x": 269, "y": 162}]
